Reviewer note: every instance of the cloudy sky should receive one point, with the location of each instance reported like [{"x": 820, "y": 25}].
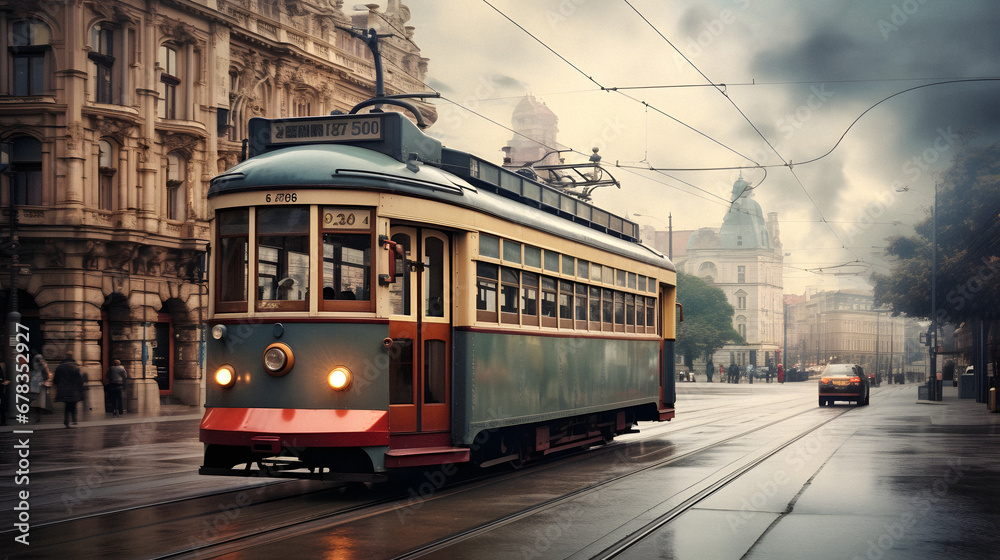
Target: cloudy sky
[{"x": 800, "y": 72}]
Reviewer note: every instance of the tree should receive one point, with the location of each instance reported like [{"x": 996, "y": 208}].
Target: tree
[
  {"x": 708, "y": 319},
  {"x": 968, "y": 239}
]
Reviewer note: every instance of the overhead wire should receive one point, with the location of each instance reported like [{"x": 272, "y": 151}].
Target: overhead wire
[{"x": 747, "y": 119}]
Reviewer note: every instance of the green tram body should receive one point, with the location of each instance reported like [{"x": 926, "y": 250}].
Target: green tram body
[{"x": 514, "y": 391}]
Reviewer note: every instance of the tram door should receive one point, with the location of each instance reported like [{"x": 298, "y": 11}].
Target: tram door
[{"x": 419, "y": 326}]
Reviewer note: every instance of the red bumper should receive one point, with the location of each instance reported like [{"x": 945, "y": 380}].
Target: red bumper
[{"x": 295, "y": 427}]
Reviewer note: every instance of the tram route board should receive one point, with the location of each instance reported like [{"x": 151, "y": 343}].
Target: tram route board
[{"x": 326, "y": 129}]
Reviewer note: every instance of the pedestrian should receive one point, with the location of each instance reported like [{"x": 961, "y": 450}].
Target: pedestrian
[
  {"x": 781, "y": 374},
  {"x": 750, "y": 373},
  {"x": 734, "y": 372},
  {"x": 38, "y": 387},
  {"x": 116, "y": 383},
  {"x": 69, "y": 387},
  {"x": 722, "y": 374},
  {"x": 709, "y": 370}
]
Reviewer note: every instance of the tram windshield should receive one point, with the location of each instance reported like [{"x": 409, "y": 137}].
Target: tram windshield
[{"x": 288, "y": 256}]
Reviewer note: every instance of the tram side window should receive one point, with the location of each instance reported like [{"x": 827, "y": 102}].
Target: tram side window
[
  {"x": 651, "y": 312},
  {"x": 565, "y": 300},
  {"x": 232, "y": 266},
  {"x": 283, "y": 258},
  {"x": 486, "y": 291},
  {"x": 595, "y": 306},
  {"x": 509, "y": 287},
  {"x": 619, "y": 308},
  {"x": 581, "y": 303},
  {"x": 347, "y": 266},
  {"x": 608, "y": 306},
  {"x": 529, "y": 293}
]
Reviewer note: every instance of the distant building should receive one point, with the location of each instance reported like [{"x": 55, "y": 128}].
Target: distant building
[
  {"x": 115, "y": 115},
  {"x": 744, "y": 259},
  {"x": 843, "y": 327},
  {"x": 535, "y": 130}
]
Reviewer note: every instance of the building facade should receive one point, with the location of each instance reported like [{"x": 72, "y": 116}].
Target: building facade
[
  {"x": 844, "y": 327},
  {"x": 114, "y": 116},
  {"x": 744, "y": 259}
]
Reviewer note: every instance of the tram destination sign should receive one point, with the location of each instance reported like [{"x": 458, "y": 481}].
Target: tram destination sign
[{"x": 326, "y": 129}]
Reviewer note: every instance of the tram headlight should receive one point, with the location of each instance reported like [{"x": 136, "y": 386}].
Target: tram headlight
[
  {"x": 219, "y": 332},
  {"x": 225, "y": 376},
  {"x": 278, "y": 359},
  {"x": 340, "y": 378}
]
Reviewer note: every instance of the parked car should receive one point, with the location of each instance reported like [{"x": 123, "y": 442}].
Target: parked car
[{"x": 844, "y": 382}]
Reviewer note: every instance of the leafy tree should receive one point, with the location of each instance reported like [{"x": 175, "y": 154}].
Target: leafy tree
[
  {"x": 968, "y": 240},
  {"x": 708, "y": 319}
]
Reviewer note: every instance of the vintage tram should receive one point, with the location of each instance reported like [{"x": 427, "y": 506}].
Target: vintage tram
[{"x": 378, "y": 301}]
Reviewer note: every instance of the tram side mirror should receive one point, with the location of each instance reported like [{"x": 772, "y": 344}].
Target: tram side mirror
[{"x": 394, "y": 250}]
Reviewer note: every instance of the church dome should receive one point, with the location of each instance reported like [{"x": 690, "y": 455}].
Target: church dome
[{"x": 743, "y": 226}]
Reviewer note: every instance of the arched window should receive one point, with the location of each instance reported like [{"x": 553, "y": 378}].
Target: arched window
[
  {"x": 107, "y": 167},
  {"x": 176, "y": 193},
  {"x": 102, "y": 42},
  {"x": 169, "y": 82},
  {"x": 708, "y": 272},
  {"x": 25, "y": 173},
  {"x": 29, "y": 44},
  {"x": 741, "y": 326}
]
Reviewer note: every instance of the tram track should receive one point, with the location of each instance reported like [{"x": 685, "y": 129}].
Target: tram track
[
  {"x": 446, "y": 542},
  {"x": 290, "y": 529},
  {"x": 290, "y": 512}
]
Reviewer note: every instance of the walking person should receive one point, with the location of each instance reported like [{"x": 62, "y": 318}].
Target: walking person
[
  {"x": 709, "y": 370},
  {"x": 734, "y": 372},
  {"x": 750, "y": 373},
  {"x": 116, "y": 383},
  {"x": 781, "y": 374},
  {"x": 69, "y": 387},
  {"x": 38, "y": 387}
]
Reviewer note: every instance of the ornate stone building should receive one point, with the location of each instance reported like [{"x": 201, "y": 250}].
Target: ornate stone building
[
  {"x": 114, "y": 116},
  {"x": 744, "y": 259}
]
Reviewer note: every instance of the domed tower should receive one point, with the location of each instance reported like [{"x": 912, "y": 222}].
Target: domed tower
[
  {"x": 744, "y": 226},
  {"x": 536, "y": 127}
]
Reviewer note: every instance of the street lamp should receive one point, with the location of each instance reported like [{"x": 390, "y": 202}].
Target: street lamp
[
  {"x": 670, "y": 231},
  {"x": 933, "y": 392}
]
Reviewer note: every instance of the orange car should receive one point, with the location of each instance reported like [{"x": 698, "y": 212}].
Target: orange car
[{"x": 844, "y": 382}]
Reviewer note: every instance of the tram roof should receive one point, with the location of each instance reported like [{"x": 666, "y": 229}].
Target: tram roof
[{"x": 401, "y": 161}]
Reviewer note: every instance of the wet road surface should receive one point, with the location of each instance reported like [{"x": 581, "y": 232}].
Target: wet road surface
[{"x": 896, "y": 479}]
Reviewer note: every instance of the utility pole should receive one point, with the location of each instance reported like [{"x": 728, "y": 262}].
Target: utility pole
[
  {"x": 670, "y": 236},
  {"x": 932, "y": 387}
]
